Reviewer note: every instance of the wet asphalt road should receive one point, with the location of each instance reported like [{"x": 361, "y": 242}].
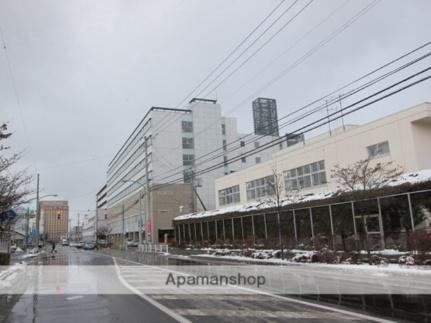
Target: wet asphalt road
[
  {"x": 133, "y": 308},
  {"x": 81, "y": 308}
]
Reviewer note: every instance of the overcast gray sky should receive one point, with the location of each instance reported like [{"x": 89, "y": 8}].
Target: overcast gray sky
[{"x": 85, "y": 72}]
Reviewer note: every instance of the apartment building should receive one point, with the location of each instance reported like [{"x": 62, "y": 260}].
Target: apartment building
[
  {"x": 175, "y": 146},
  {"x": 403, "y": 138},
  {"x": 55, "y": 219}
]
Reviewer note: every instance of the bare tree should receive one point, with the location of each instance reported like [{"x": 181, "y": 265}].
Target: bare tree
[
  {"x": 12, "y": 184},
  {"x": 365, "y": 175},
  {"x": 362, "y": 176},
  {"x": 277, "y": 187}
]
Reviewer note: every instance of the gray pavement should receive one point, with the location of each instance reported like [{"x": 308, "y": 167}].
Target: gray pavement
[{"x": 145, "y": 307}]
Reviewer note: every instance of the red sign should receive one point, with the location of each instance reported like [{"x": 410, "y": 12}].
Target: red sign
[{"x": 149, "y": 226}]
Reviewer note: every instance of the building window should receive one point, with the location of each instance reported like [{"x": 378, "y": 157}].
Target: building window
[
  {"x": 260, "y": 187},
  {"x": 256, "y": 144},
  {"x": 187, "y": 143},
  {"x": 305, "y": 176},
  {"x": 378, "y": 150},
  {"x": 223, "y": 129},
  {"x": 243, "y": 160},
  {"x": 188, "y": 160},
  {"x": 229, "y": 195},
  {"x": 258, "y": 160},
  {"x": 224, "y": 145},
  {"x": 187, "y": 126},
  {"x": 187, "y": 175},
  {"x": 242, "y": 143}
]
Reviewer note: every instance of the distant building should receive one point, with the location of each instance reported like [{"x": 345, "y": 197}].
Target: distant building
[
  {"x": 265, "y": 117},
  {"x": 55, "y": 219},
  {"x": 175, "y": 145}
]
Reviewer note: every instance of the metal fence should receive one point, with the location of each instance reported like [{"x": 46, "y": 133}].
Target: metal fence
[
  {"x": 376, "y": 223},
  {"x": 153, "y": 247}
]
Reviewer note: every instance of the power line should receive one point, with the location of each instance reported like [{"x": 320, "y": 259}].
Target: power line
[
  {"x": 331, "y": 36},
  {"x": 332, "y": 93},
  {"x": 325, "y": 120}
]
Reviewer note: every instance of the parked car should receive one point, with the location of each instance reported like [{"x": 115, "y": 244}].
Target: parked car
[
  {"x": 131, "y": 243},
  {"x": 103, "y": 243},
  {"x": 89, "y": 245},
  {"x": 64, "y": 242}
]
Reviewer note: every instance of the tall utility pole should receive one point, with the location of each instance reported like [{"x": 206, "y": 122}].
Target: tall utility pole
[
  {"x": 147, "y": 181},
  {"x": 124, "y": 234},
  {"x": 27, "y": 223},
  {"x": 37, "y": 213},
  {"x": 77, "y": 229},
  {"x": 97, "y": 223}
]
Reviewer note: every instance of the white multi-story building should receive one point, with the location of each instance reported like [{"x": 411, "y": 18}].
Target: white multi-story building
[
  {"x": 174, "y": 146},
  {"x": 403, "y": 138}
]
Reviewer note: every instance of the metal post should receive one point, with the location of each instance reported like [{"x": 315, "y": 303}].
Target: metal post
[
  {"x": 233, "y": 230},
  {"x": 124, "y": 234},
  {"x": 27, "y": 223},
  {"x": 179, "y": 233},
  {"x": 97, "y": 224},
  {"x": 147, "y": 182},
  {"x": 224, "y": 231},
  {"x": 216, "y": 231},
  {"x": 141, "y": 221},
  {"x": 382, "y": 233},
  {"x": 202, "y": 231},
  {"x": 196, "y": 234},
  {"x": 332, "y": 226},
  {"x": 37, "y": 213},
  {"x": 311, "y": 223},
  {"x": 294, "y": 226},
  {"x": 242, "y": 229},
  {"x": 409, "y": 199},
  {"x": 254, "y": 232},
  {"x": 264, "y": 222},
  {"x": 355, "y": 231}
]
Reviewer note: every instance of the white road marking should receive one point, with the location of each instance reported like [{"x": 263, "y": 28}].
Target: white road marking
[
  {"x": 161, "y": 307},
  {"x": 293, "y": 300}
]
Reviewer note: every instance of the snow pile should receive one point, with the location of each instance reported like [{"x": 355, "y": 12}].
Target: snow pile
[{"x": 412, "y": 178}]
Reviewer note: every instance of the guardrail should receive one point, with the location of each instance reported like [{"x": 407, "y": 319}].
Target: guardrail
[{"x": 153, "y": 247}]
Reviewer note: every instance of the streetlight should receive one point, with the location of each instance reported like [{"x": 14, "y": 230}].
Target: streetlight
[
  {"x": 37, "y": 198},
  {"x": 140, "y": 210}
]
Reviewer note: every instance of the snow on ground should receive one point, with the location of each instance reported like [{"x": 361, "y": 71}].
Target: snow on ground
[
  {"x": 292, "y": 262},
  {"x": 412, "y": 178}
]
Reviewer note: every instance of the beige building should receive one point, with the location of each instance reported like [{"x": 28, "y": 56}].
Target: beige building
[
  {"x": 55, "y": 218},
  {"x": 403, "y": 137},
  {"x": 167, "y": 201}
]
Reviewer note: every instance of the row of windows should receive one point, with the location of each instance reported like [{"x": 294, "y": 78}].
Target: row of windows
[
  {"x": 131, "y": 159},
  {"x": 139, "y": 136},
  {"x": 260, "y": 187},
  {"x": 305, "y": 176},
  {"x": 229, "y": 195},
  {"x": 134, "y": 186},
  {"x": 300, "y": 177}
]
